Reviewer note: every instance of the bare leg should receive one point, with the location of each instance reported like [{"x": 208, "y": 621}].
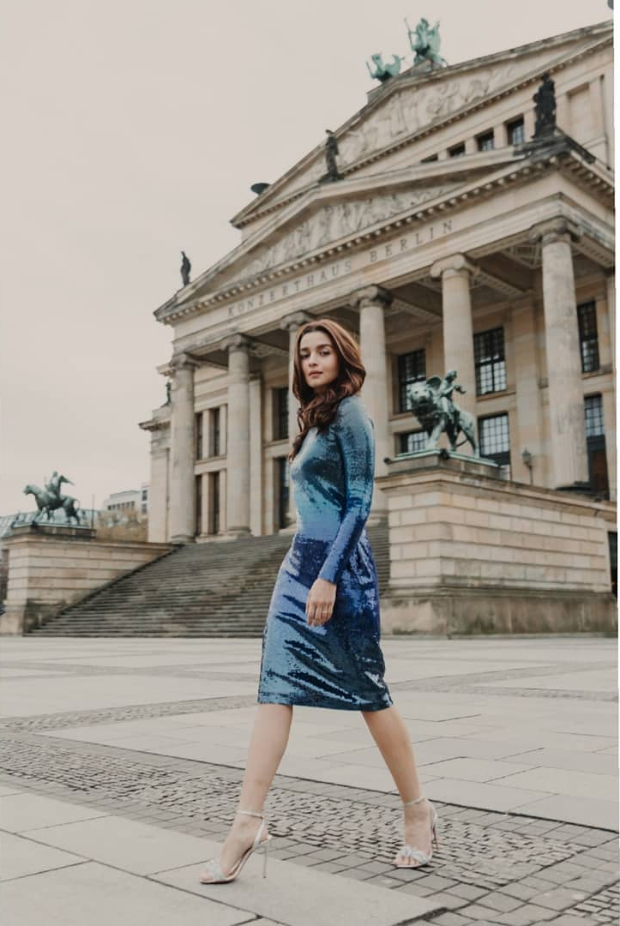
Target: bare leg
[
  {"x": 392, "y": 737},
  {"x": 270, "y": 734}
]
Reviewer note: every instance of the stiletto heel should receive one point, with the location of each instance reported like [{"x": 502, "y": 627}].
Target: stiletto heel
[
  {"x": 265, "y": 854},
  {"x": 213, "y": 866},
  {"x": 421, "y": 857}
]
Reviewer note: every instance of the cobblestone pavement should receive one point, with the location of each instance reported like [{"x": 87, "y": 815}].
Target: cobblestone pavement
[{"x": 490, "y": 868}]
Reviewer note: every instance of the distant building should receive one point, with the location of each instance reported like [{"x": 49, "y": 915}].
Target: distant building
[{"x": 129, "y": 501}]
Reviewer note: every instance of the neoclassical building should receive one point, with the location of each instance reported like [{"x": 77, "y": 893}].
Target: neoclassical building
[{"x": 450, "y": 242}]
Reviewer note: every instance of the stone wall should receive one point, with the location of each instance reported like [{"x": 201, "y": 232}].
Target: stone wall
[
  {"x": 51, "y": 567},
  {"x": 470, "y": 552}
]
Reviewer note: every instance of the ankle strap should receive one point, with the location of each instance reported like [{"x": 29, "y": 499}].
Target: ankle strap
[
  {"x": 250, "y": 813},
  {"x": 416, "y": 801}
]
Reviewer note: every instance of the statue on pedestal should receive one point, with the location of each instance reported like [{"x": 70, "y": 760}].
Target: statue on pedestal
[
  {"x": 49, "y": 499},
  {"x": 544, "y": 100},
  {"x": 331, "y": 150},
  {"x": 433, "y": 406}
]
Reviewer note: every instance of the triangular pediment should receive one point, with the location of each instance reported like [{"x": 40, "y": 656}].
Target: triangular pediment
[
  {"x": 333, "y": 215},
  {"x": 415, "y": 103}
]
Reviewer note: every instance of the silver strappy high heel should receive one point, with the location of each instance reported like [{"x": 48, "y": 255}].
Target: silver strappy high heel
[
  {"x": 421, "y": 857},
  {"x": 213, "y": 866}
]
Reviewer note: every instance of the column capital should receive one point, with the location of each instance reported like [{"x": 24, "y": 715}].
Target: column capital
[
  {"x": 236, "y": 341},
  {"x": 455, "y": 263},
  {"x": 295, "y": 320},
  {"x": 183, "y": 361},
  {"x": 558, "y": 229},
  {"x": 371, "y": 295}
]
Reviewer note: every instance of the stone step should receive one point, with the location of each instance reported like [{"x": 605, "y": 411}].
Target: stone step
[{"x": 198, "y": 590}]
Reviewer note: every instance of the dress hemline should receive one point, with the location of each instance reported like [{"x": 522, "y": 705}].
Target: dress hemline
[{"x": 329, "y": 707}]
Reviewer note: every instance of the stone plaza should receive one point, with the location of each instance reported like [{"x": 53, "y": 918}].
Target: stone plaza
[{"x": 122, "y": 763}]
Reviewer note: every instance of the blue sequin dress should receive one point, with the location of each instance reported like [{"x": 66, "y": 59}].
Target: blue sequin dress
[{"x": 339, "y": 664}]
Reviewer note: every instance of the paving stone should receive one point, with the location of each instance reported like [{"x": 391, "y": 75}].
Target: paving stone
[
  {"x": 447, "y": 900},
  {"x": 568, "y": 920},
  {"x": 519, "y": 890},
  {"x": 450, "y": 919},
  {"x": 467, "y": 891},
  {"x": 528, "y": 912},
  {"x": 559, "y": 874},
  {"x": 501, "y": 902},
  {"x": 559, "y": 899},
  {"x": 475, "y": 912}
]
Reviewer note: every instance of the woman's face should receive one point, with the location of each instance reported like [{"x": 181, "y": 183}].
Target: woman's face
[{"x": 319, "y": 360}]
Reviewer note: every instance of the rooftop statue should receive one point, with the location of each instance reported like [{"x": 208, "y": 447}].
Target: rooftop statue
[
  {"x": 383, "y": 71},
  {"x": 49, "y": 499},
  {"x": 426, "y": 44},
  {"x": 331, "y": 150},
  {"x": 185, "y": 268},
  {"x": 433, "y": 406},
  {"x": 545, "y": 110}
]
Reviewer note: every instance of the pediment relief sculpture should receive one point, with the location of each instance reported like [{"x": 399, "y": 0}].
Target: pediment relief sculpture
[{"x": 336, "y": 221}]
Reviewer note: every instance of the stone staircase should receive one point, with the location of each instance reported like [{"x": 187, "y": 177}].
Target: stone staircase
[{"x": 219, "y": 589}]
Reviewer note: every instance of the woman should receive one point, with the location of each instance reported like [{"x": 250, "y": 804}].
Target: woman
[{"x": 321, "y": 640}]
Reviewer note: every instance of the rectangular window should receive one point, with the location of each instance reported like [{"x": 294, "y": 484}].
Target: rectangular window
[
  {"x": 494, "y": 437},
  {"x": 490, "y": 361},
  {"x": 214, "y": 503},
  {"x": 199, "y": 504},
  {"x": 588, "y": 337},
  {"x": 411, "y": 369},
  {"x": 596, "y": 447},
  {"x": 431, "y": 157},
  {"x": 613, "y": 561},
  {"x": 457, "y": 150},
  {"x": 515, "y": 131},
  {"x": 214, "y": 436},
  {"x": 411, "y": 441},
  {"x": 282, "y": 482},
  {"x": 595, "y": 426},
  {"x": 486, "y": 141},
  {"x": 280, "y": 413},
  {"x": 199, "y": 436}
]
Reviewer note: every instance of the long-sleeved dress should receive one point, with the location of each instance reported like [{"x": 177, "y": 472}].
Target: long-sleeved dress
[{"x": 339, "y": 664}]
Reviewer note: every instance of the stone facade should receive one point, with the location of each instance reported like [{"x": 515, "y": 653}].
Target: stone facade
[{"x": 498, "y": 263}]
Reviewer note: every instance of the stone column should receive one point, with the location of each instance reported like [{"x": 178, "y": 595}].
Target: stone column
[
  {"x": 182, "y": 518},
  {"x": 609, "y": 423},
  {"x": 529, "y": 425},
  {"x": 256, "y": 454},
  {"x": 611, "y": 314},
  {"x": 568, "y": 448},
  {"x": 292, "y": 324},
  {"x": 455, "y": 273},
  {"x": 238, "y": 435},
  {"x": 372, "y": 303}
]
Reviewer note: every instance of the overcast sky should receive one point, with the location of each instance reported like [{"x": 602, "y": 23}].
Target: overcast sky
[{"x": 133, "y": 129}]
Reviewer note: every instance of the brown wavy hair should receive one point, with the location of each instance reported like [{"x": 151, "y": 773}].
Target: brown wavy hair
[{"x": 319, "y": 409}]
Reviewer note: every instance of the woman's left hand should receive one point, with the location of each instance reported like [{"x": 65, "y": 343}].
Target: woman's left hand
[{"x": 320, "y": 603}]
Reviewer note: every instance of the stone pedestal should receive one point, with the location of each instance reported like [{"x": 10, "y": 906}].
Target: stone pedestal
[
  {"x": 50, "y": 567},
  {"x": 458, "y": 337},
  {"x": 568, "y": 447},
  {"x": 238, "y": 466},
  {"x": 182, "y": 451},
  {"x": 473, "y": 553}
]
